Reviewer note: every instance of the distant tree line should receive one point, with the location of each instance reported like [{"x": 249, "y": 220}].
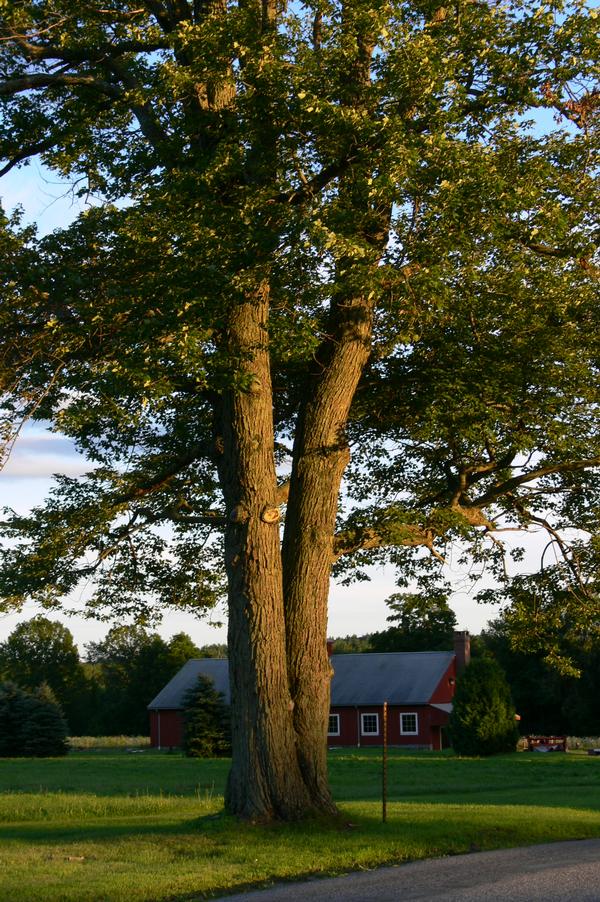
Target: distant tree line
[
  {"x": 549, "y": 699},
  {"x": 107, "y": 692}
]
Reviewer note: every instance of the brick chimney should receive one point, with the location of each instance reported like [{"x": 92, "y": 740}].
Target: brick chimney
[{"x": 462, "y": 650}]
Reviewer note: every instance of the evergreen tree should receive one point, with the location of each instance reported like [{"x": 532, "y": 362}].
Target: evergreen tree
[
  {"x": 483, "y": 717},
  {"x": 207, "y": 721},
  {"x": 14, "y": 707},
  {"x": 31, "y": 723},
  {"x": 45, "y": 730}
]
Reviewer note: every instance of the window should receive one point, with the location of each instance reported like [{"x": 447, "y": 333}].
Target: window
[
  {"x": 334, "y": 725},
  {"x": 369, "y": 724},
  {"x": 409, "y": 724}
]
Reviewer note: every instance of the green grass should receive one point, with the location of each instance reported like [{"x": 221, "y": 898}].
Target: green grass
[
  {"x": 113, "y": 826},
  {"x": 108, "y": 742}
]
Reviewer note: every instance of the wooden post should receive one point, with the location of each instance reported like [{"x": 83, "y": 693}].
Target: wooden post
[{"x": 384, "y": 767}]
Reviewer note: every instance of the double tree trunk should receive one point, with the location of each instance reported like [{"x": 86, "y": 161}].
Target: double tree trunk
[
  {"x": 279, "y": 670},
  {"x": 265, "y": 779}
]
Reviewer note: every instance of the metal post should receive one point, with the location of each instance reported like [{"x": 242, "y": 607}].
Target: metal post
[{"x": 384, "y": 767}]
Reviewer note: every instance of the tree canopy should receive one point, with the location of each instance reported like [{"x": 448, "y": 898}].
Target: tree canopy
[
  {"x": 330, "y": 246},
  {"x": 419, "y": 623},
  {"x": 42, "y": 651}
]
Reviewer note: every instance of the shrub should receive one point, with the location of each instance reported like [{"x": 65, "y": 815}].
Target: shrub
[
  {"x": 31, "y": 723},
  {"x": 483, "y": 717},
  {"x": 207, "y": 732}
]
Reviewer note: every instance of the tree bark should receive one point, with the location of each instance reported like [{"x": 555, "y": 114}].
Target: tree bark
[
  {"x": 265, "y": 781},
  {"x": 321, "y": 455}
]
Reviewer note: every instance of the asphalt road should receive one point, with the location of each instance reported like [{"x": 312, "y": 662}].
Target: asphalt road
[{"x": 557, "y": 871}]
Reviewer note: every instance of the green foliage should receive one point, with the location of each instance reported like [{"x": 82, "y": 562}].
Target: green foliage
[
  {"x": 207, "y": 722},
  {"x": 421, "y": 623},
  {"x": 548, "y": 699},
  {"x": 546, "y": 616},
  {"x": 31, "y": 724},
  {"x": 108, "y": 693},
  {"x": 482, "y": 721},
  {"x": 44, "y": 651},
  {"x": 348, "y": 645},
  {"x": 44, "y": 732},
  {"x": 133, "y": 666}
]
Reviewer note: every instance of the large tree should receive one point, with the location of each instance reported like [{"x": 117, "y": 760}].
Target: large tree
[
  {"x": 133, "y": 665},
  {"x": 419, "y": 623},
  {"x": 41, "y": 651},
  {"x": 314, "y": 229}
]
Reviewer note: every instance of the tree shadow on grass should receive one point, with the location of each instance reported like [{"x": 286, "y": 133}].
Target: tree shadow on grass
[{"x": 49, "y": 832}]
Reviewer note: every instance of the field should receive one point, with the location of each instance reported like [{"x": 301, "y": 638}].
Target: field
[{"x": 107, "y": 825}]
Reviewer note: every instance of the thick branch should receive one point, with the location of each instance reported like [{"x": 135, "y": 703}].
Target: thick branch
[
  {"x": 29, "y": 150},
  {"x": 510, "y": 484},
  {"x": 283, "y": 492},
  {"x": 95, "y": 54},
  {"x": 173, "y": 513},
  {"x": 319, "y": 181},
  {"x": 33, "y": 82},
  {"x": 149, "y": 124},
  {"x": 163, "y": 478},
  {"x": 370, "y": 537}
]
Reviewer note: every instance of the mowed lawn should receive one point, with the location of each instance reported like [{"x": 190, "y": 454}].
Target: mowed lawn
[{"x": 116, "y": 826}]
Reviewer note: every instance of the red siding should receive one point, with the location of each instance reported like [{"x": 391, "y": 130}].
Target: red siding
[
  {"x": 444, "y": 691},
  {"x": 166, "y": 729},
  {"x": 429, "y": 722}
]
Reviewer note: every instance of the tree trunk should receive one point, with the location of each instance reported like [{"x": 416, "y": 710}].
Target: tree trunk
[
  {"x": 321, "y": 455},
  {"x": 265, "y": 780}
]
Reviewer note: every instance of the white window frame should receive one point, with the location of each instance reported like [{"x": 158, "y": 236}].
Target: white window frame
[
  {"x": 404, "y": 732},
  {"x": 364, "y": 732},
  {"x": 336, "y": 732}
]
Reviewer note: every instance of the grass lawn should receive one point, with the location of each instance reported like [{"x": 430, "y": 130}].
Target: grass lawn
[{"x": 106, "y": 825}]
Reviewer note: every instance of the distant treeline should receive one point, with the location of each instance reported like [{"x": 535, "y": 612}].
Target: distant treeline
[{"x": 105, "y": 694}]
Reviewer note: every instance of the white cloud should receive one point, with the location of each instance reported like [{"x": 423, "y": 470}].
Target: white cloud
[{"x": 42, "y": 454}]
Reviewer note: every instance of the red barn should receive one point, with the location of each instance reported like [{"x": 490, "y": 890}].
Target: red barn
[{"x": 418, "y": 687}]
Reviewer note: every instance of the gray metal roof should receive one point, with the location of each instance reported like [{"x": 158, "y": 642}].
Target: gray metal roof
[
  {"x": 400, "y": 678},
  {"x": 217, "y": 669}
]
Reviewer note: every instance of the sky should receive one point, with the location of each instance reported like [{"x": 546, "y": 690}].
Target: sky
[{"x": 27, "y": 477}]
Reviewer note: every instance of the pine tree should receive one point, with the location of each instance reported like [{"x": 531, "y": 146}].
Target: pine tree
[
  {"x": 44, "y": 732},
  {"x": 483, "y": 717},
  {"x": 31, "y": 723},
  {"x": 13, "y": 713},
  {"x": 207, "y": 721}
]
